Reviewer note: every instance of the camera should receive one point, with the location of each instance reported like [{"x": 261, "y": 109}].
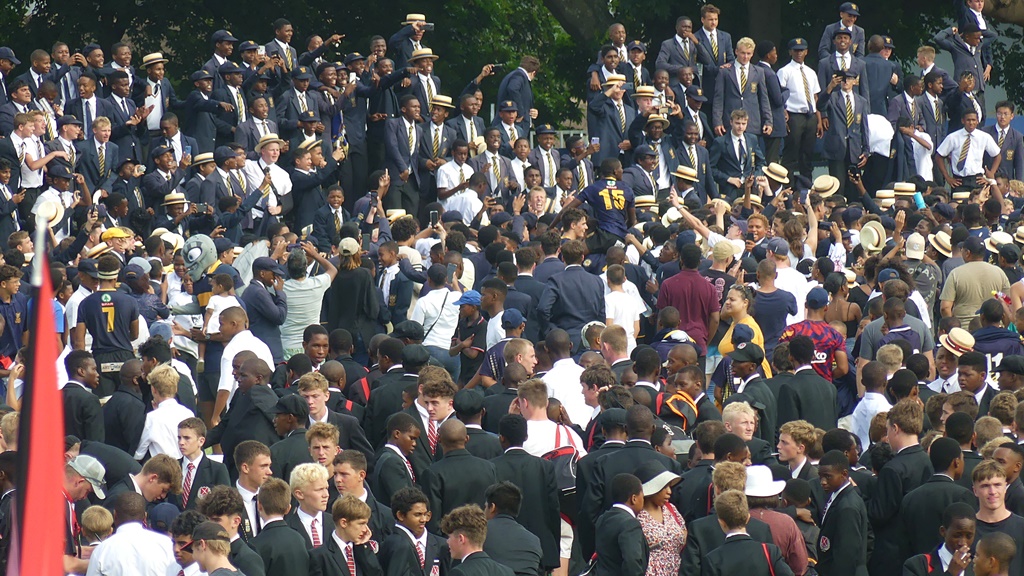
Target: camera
[
  {"x": 202, "y": 207},
  {"x": 497, "y": 67},
  {"x": 854, "y": 171},
  {"x": 428, "y": 26},
  {"x": 664, "y": 110}
]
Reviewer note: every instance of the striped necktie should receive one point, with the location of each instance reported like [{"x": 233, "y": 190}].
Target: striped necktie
[
  {"x": 496, "y": 170},
  {"x": 551, "y": 169},
  {"x": 437, "y": 141},
  {"x": 657, "y": 155},
  {"x": 963, "y": 153},
  {"x": 103, "y": 160},
  {"x": 692, "y": 153},
  {"x": 241, "y": 106},
  {"x": 849, "y": 111},
  {"x": 622, "y": 117},
  {"x": 581, "y": 177},
  {"x": 302, "y": 102},
  {"x": 938, "y": 110},
  {"x": 412, "y": 139},
  {"x": 842, "y": 62},
  {"x": 1002, "y": 137},
  {"x": 743, "y": 79},
  {"x": 636, "y": 77},
  {"x": 807, "y": 90},
  {"x": 714, "y": 46}
]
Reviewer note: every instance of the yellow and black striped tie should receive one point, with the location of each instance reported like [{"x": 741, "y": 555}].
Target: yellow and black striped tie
[
  {"x": 496, "y": 170},
  {"x": 636, "y": 77},
  {"x": 807, "y": 90},
  {"x": 622, "y": 117},
  {"x": 551, "y": 169},
  {"x": 437, "y": 142},
  {"x": 743, "y": 79},
  {"x": 411, "y": 140},
  {"x": 963, "y": 152},
  {"x": 462, "y": 175},
  {"x": 657, "y": 156},
  {"x": 581, "y": 177},
  {"x": 714, "y": 48},
  {"x": 842, "y": 63},
  {"x": 692, "y": 153},
  {"x": 103, "y": 160},
  {"x": 1002, "y": 137},
  {"x": 938, "y": 110},
  {"x": 849, "y": 111}
]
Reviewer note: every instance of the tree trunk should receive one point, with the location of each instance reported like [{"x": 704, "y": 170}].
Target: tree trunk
[
  {"x": 1008, "y": 11},
  {"x": 586, "y": 21}
]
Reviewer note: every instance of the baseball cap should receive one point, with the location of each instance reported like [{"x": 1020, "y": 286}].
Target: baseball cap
[
  {"x": 348, "y": 247},
  {"x": 723, "y": 251},
  {"x": 468, "y": 401},
  {"x": 915, "y": 246},
  {"x": 742, "y": 333},
  {"x": 974, "y": 245},
  {"x": 208, "y": 531},
  {"x": 817, "y": 298},
  {"x": 292, "y": 404},
  {"x": 777, "y": 246},
  {"x": 133, "y": 272},
  {"x": 162, "y": 516},
  {"x": 222, "y": 245},
  {"x": 512, "y": 318},
  {"x": 87, "y": 266},
  {"x": 267, "y": 263},
  {"x": 888, "y": 274},
  {"x": 115, "y": 232},
  {"x": 409, "y": 329},
  {"x": 501, "y": 218},
  {"x": 747, "y": 352},
  {"x": 471, "y": 297},
  {"x": 1013, "y": 364},
  {"x": 613, "y": 417},
  {"x": 223, "y": 36},
  {"x": 415, "y": 355},
  {"x": 93, "y": 471}
]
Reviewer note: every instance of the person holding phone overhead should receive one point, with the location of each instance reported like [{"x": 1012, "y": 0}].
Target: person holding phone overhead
[{"x": 438, "y": 312}]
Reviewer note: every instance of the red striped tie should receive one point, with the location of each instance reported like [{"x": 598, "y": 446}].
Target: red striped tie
[
  {"x": 316, "y": 535},
  {"x": 432, "y": 436},
  {"x": 419, "y": 554},
  {"x": 408, "y": 466},
  {"x": 350, "y": 559},
  {"x": 186, "y": 485}
]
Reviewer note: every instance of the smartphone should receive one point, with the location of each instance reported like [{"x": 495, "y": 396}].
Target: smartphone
[
  {"x": 433, "y": 218},
  {"x": 451, "y": 273},
  {"x": 749, "y": 277},
  {"x": 749, "y": 236},
  {"x": 261, "y": 50},
  {"x": 186, "y": 150},
  {"x": 595, "y": 140},
  {"x": 428, "y": 26},
  {"x": 373, "y": 198},
  {"x": 664, "y": 110},
  {"x": 352, "y": 77},
  {"x": 202, "y": 207},
  {"x": 854, "y": 171},
  {"x": 367, "y": 241},
  {"x": 497, "y": 67},
  {"x": 919, "y": 201}
]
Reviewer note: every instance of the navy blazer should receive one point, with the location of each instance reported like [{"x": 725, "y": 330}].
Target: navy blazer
[
  {"x": 707, "y": 58},
  {"x": 308, "y": 191},
  {"x": 537, "y": 159},
  {"x": 397, "y": 156},
  {"x": 1012, "y": 152},
  {"x": 170, "y": 99},
  {"x": 247, "y": 135},
  {"x": 7, "y": 113},
  {"x": 571, "y": 298},
  {"x": 963, "y": 59},
  {"x": 478, "y": 162},
  {"x": 426, "y": 144},
  {"x": 754, "y": 99},
  {"x": 956, "y": 103},
  {"x": 879, "y": 72},
  {"x": 609, "y": 127},
  {"x": 515, "y": 86},
  {"x": 89, "y": 164},
  {"x": 400, "y": 46},
  {"x": 213, "y": 188},
  {"x": 672, "y": 58},
  {"x": 574, "y": 165},
  {"x": 506, "y": 139},
  {"x": 154, "y": 187},
  {"x": 725, "y": 164},
  {"x": 828, "y": 67},
  {"x": 898, "y": 108},
  {"x": 399, "y": 297},
  {"x": 841, "y": 141},
  {"x": 202, "y": 120},
  {"x": 7, "y": 152},
  {"x": 706, "y": 186},
  {"x": 419, "y": 90},
  {"x": 857, "y": 41},
  {"x": 777, "y": 96},
  {"x": 66, "y": 78},
  {"x": 935, "y": 127},
  {"x": 121, "y": 133},
  {"x": 458, "y": 124},
  {"x": 161, "y": 141},
  {"x": 639, "y": 181},
  {"x": 323, "y": 227}
]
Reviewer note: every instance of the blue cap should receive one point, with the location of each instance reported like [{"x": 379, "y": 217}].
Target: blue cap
[
  {"x": 8, "y": 54},
  {"x": 883, "y": 277},
  {"x": 69, "y": 120},
  {"x": 777, "y": 246},
  {"x": 90, "y": 48},
  {"x": 685, "y": 237},
  {"x": 302, "y": 73},
  {"x": 508, "y": 106},
  {"x": 223, "y": 245},
  {"x": 248, "y": 45},
  {"x": 59, "y": 171},
  {"x": 798, "y": 44},
  {"x": 840, "y": 31},
  {"x": 308, "y": 116},
  {"x": 501, "y": 218},
  {"x": 471, "y": 297},
  {"x": 849, "y": 8},
  {"x": 159, "y": 151},
  {"x": 229, "y": 68},
  {"x": 354, "y": 57},
  {"x": 636, "y": 45},
  {"x": 222, "y": 153},
  {"x": 817, "y": 298},
  {"x": 512, "y": 318},
  {"x": 887, "y": 42},
  {"x": 742, "y": 333},
  {"x": 267, "y": 263},
  {"x": 696, "y": 92},
  {"x": 198, "y": 75},
  {"x": 545, "y": 129},
  {"x": 88, "y": 267},
  {"x": 133, "y": 272},
  {"x": 644, "y": 150},
  {"x": 223, "y": 36},
  {"x": 451, "y": 216}
]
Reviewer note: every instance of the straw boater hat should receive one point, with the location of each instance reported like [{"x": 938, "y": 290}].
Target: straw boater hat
[
  {"x": 410, "y": 18},
  {"x": 904, "y": 189},
  {"x": 204, "y": 158},
  {"x": 755, "y": 200},
  {"x": 961, "y": 196},
  {"x": 825, "y": 185},
  {"x": 614, "y": 79},
  {"x": 872, "y": 236},
  {"x": 657, "y": 118},
  {"x": 421, "y": 54},
  {"x": 270, "y": 138},
  {"x": 175, "y": 240},
  {"x": 671, "y": 215},
  {"x": 154, "y": 58},
  {"x": 444, "y": 101},
  {"x": 174, "y": 198},
  {"x": 51, "y": 210},
  {"x": 885, "y": 194},
  {"x": 776, "y": 172},
  {"x": 645, "y": 92},
  {"x": 886, "y": 203},
  {"x": 851, "y": 278},
  {"x": 98, "y": 250},
  {"x": 942, "y": 243},
  {"x": 645, "y": 201},
  {"x": 1018, "y": 235},
  {"x": 997, "y": 239},
  {"x": 690, "y": 174},
  {"x": 957, "y": 341},
  {"x": 395, "y": 214}
]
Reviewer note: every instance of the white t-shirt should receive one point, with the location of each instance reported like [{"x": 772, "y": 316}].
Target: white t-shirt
[
  {"x": 624, "y": 310},
  {"x": 305, "y": 299},
  {"x": 791, "y": 281},
  {"x": 495, "y": 333},
  {"x": 219, "y": 303},
  {"x": 541, "y": 436}
]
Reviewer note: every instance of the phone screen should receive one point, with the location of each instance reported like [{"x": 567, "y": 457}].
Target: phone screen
[
  {"x": 433, "y": 218},
  {"x": 451, "y": 273},
  {"x": 367, "y": 241}
]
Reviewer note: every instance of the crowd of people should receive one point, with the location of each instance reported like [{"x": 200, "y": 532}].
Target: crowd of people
[{"x": 321, "y": 317}]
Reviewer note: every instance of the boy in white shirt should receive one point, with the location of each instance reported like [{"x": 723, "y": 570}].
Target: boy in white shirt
[{"x": 160, "y": 433}]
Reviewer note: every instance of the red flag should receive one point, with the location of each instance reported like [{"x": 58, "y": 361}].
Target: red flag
[{"x": 41, "y": 504}]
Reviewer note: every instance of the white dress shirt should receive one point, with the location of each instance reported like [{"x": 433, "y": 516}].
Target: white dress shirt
[
  {"x": 156, "y": 100},
  {"x": 563, "y": 381},
  {"x": 244, "y": 340},
  {"x": 132, "y": 550},
  {"x": 415, "y": 137},
  {"x": 307, "y": 521},
  {"x": 944, "y": 385},
  {"x": 160, "y": 433},
  {"x": 251, "y": 510},
  {"x": 441, "y": 322},
  {"x": 843, "y": 61},
  {"x": 541, "y": 436},
  {"x": 791, "y": 77},
  {"x": 872, "y": 403},
  {"x": 981, "y": 144}
]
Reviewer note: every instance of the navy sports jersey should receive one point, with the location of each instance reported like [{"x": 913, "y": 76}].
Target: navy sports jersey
[
  {"x": 609, "y": 199},
  {"x": 15, "y": 314},
  {"x": 108, "y": 316}
]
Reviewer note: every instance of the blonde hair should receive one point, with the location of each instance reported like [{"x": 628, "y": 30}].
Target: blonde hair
[
  {"x": 9, "y": 429},
  {"x": 801, "y": 432},
  {"x": 891, "y": 356},
  {"x": 322, "y": 431},
  {"x": 534, "y": 391},
  {"x": 729, "y": 476},
  {"x": 927, "y": 52},
  {"x": 745, "y": 42},
  {"x": 313, "y": 381},
  {"x": 737, "y": 408},
  {"x": 615, "y": 337},
  {"x": 164, "y": 380},
  {"x": 101, "y": 122},
  {"x": 305, "y": 474},
  {"x": 97, "y": 523},
  {"x": 218, "y": 547}
]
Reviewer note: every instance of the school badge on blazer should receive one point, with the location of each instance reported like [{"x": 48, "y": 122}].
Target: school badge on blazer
[
  {"x": 753, "y": 87},
  {"x": 1009, "y": 155},
  {"x": 824, "y": 544},
  {"x": 204, "y": 491}
]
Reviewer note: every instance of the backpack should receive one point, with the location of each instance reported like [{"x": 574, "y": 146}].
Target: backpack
[
  {"x": 903, "y": 332},
  {"x": 564, "y": 459}
]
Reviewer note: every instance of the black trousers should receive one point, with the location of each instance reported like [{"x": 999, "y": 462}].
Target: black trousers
[
  {"x": 798, "y": 155},
  {"x": 772, "y": 148}
]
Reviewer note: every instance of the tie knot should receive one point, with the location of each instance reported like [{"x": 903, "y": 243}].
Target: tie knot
[{"x": 191, "y": 466}]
